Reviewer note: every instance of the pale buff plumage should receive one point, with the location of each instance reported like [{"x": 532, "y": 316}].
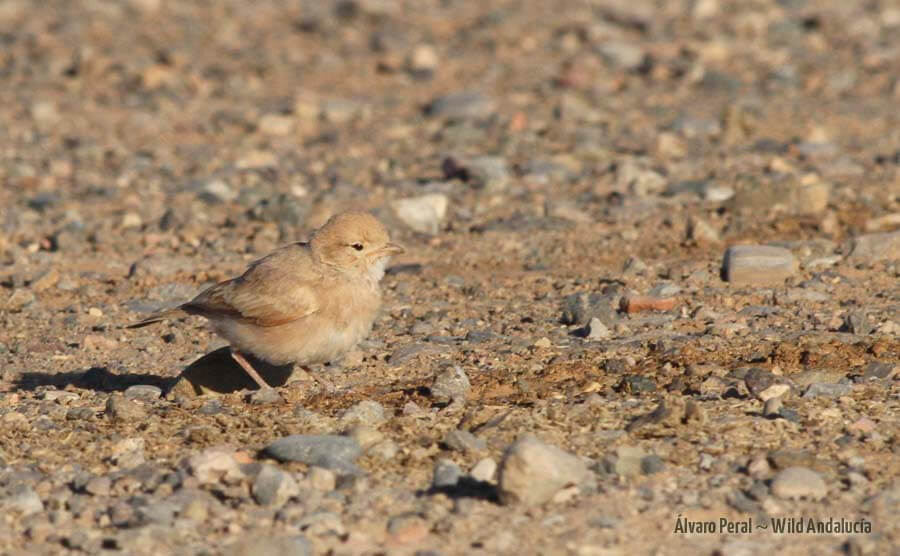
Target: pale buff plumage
[{"x": 304, "y": 303}]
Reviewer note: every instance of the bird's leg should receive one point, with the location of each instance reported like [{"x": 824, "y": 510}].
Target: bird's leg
[{"x": 250, "y": 370}]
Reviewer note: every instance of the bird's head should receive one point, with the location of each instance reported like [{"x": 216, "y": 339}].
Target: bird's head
[{"x": 354, "y": 242}]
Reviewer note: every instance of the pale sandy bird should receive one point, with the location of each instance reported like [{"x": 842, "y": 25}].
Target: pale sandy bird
[{"x": 304, "y": 303}]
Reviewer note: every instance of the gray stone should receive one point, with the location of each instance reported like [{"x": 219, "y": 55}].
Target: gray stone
[
  {"x": 216, "y": 190},
  {"x": 872, "y": 248},
  {"x": 462, "y": 105},
  {"x": 264, "y": 396},
  {"x": 532, "y": 471},
  {"x": 806, "y": 196},
  {"x": 596, "y": 330},
  {"x": 799, "y": 482},
  {"x": 337, "y": 453},
  {"x": 274, "y": 487},
  {"x": 161, "y": 512},
  {"x": 451, "y": 384},
  {"x": 758, "y": 265},
  {"x": 61, "y": 397},
  {"x": 19, "y": 299},
  {"x": 651, "y": 464},
  {"x": 446, "y": 474},
  {"x": 128, "y": 452},
  {"x": 149, "y": 539},
  {"x": 635, "y": 178},
  {"x": 783, "y": 459},
  {"x": 147, "y": 392},
  {"x": 701, "y": 232},
  {"x": 341, "y": 111},
  {"x": 98, "y": 486},
  {"x": 580, "y": 308},
  {"x": 826, "y": 390},
  {"x": 464, "y": 441},
  {"x": 22, "y": 500},
  {"x": 800, "y": 295},
  {"x": 857, "y": 322},
  {"x": 629, "y": 461},
  {"x": 758, "y": 381},
  {"x": 79, "y": 413},
  {"x": 486, "y": 172},
  {"x": 213, "y": 465},
  {"x": 772, "y": 407},
  {"x": 268, "y": 545},
  {"x": 623, "y": 55},
  {"x": 879, "y": 370},
  {"x": 665, "y": 289},
  {"x": 120, "y": 408},
  {"x": 366, "y": 412},
  {"x": 424, "y": 213}
]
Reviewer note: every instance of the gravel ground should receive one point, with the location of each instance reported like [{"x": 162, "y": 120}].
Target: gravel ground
[{"x": 650, "y": 288}]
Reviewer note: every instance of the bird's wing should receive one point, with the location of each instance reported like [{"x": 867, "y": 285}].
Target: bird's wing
[{"x": 274, "y": 290}]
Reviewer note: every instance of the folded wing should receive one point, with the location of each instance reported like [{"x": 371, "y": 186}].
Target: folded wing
[{"x": 275, "y": 290}]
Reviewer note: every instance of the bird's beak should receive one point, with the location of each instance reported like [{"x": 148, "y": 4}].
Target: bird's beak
[{"x": 392, "y": 249}]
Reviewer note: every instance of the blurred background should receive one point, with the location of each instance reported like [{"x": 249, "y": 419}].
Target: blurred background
[{"x": 130, "y": 116}]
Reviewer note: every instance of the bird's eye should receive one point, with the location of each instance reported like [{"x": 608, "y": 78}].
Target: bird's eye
[{"x": 357, "y": 246}]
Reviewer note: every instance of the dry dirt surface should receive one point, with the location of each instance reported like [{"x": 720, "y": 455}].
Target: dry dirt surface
[{"x": 649, "y": 303}]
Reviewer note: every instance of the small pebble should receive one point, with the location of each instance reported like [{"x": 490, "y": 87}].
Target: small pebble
[
  {"x": 772, "y": 407},
  {"x": 120, "y": 408},
  {"x": 423, "y": 214},
  {"x": 464, "y": 441},
  {"x": 446, "y": 474},
  {"x": 799, "y": 482},
  {"x": 274, "y": 487},
  {"x": 532, "y": 472},
  {"x": 484, "y": 470},
  {"x": 596, "y": 330},
  {"x": 758, "y": 265},
  {"x": 451, "y": 384},
  {"x": 146, "y": 392}
]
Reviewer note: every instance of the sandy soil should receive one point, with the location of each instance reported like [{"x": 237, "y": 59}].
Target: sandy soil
[{"x": 545, "y": 164}]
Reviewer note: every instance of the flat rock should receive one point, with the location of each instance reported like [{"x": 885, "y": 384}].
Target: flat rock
[
  {"x": 337, "y": 453},
  {"x": 461, "y": 105},
  {"x": 799, "y": 482},
  {"x": 871, "y": 248},
  {"x": 826, "y": 390},
  {"x": 147, "y": 392},
  {"x": 758, "y": 265},
  {"x": 464, "y": 441},
  {"x": 366, "y": 412},
  {"x": 268, "y": 545}
]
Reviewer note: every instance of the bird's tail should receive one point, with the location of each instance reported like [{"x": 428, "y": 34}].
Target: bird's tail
[{"x": 156, "y": 317}]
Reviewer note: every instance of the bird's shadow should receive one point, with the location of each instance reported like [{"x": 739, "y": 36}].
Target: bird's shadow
[
  {"x": 215, "y": 372},
  {"x": 466, "y": 487}
]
